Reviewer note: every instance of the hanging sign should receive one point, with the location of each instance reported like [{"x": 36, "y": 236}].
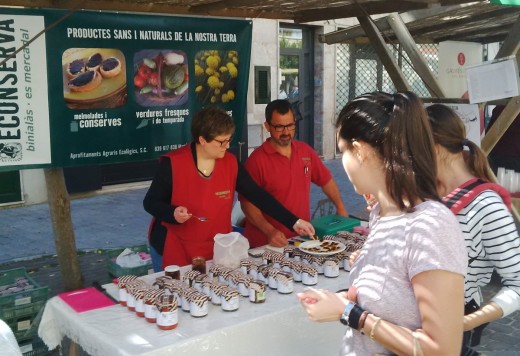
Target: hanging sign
[{"x": 101, "y": 87}]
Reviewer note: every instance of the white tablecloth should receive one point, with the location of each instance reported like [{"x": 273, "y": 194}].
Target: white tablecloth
[
  {"x": 8, "y": 343},
  {"x": 279, "y": 326}
]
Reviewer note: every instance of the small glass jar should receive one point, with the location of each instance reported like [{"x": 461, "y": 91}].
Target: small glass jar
[
  {"x": 318, "y": 262},
  {"x": 215, "y": 292},
  {"x": 344, "y": 258},
  {"x": 257, "y": 291},
  {"x": 233, "y": 279},
  {"x": 224, "y": 274},
  {"x": 267, "y": 257},
  {"x": 331, "y": 267},
  {"x": 277, "y": 259},
  {"x": 285, "y": 284},
  {"x": 130, "y": 298},
  {"x": 288, "y": 251},
  {"x": 263, "y": 273},
  {"x": 173, "y": 271},
  {"x": 271, "y": 279},
  {"x": 197, "y": 281},
  {"x": 150, "y": 308},
  {"x": 198, "y": 304},
  {"x": 296, "y": 270},
  {"x": 198, "y": 263},
  {"x": 245, "y": 265},
  {"x": 285, "y": 265},
  {"x": 206, "y": 286},
  {"x": 189, "y": 276},
  {"x": 139, "y": 300},
  {"x": 253, "y": 269},
  {"x": 243, "y": 285},
  {"x": 214, "y": 272},
  {"x": 297, "y": 254},
  {"x": 167, "y": 316},
  {"x": 307, "y": 258},
  {"x": 174, "y": 288},
  {"x": 230, "y": 299},
  {"x": 161, "y": 281},
  {"x": 121, "y": 284},
  {"x": 186, "y": 298},
  {"x": 309, "y": 275}
]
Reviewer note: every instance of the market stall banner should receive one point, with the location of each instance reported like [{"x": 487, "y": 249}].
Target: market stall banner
[{"x": 103, "y": 87}]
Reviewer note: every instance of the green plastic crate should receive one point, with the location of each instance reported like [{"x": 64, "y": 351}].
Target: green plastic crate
[
  {"x": 34, "y": 347},
  {"x": 117, "y": 271},
  {"x": 330, "y": 224},
  {"x": 25, "y": 328},
  {"x": 24, "y": 303},
  {"x": 22, "y": 310}
]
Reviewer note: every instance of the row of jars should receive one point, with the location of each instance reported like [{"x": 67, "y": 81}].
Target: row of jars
[
  {"x": 151, "y": 303},
  {"x": 160, "y": 303},
  {"x": 275, "y": 278},
  {"x": 304, "y": 267}
]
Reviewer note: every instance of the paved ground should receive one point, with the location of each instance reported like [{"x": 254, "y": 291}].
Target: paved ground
[{"x": 117, "y": 219}]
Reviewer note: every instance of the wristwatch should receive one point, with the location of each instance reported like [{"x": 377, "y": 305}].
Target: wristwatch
[{"x": 346, "y": 313}]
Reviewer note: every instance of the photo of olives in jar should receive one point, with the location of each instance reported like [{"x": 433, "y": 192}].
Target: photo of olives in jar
[
  {"x": 160, "y": 77},
  {"x": 216, "y": 74}
]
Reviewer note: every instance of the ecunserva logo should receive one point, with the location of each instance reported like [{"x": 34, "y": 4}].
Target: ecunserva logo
[
  {"x": 23, "y": 140},
  {"x": 10, "y": 152}
]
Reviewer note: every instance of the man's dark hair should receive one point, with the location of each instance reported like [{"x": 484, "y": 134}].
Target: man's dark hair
[{"x": 281, "y": 106}]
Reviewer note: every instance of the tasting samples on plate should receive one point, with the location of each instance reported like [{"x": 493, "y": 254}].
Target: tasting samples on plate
[{"x": 323, "y": 248}]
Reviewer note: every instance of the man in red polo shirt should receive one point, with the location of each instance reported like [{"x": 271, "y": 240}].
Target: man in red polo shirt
[{"x": 285, "y": 168}]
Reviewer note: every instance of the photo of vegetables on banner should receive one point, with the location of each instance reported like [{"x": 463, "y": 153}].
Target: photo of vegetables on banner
[
  {"x": 160, "y": 77},
  {"x": 216, "y": 76}
]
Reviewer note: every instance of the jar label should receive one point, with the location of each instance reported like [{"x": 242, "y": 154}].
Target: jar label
[{"x": 167, "y": 318}]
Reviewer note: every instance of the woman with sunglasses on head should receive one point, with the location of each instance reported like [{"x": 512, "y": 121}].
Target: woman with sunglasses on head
[
  {"x": 407, "y": 283},
  {"x": 491, "y": 237},
  {"x": 199, "y": 180}
]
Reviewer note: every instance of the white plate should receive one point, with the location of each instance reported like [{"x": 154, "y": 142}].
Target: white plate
[{"x": 305, "y": 246}]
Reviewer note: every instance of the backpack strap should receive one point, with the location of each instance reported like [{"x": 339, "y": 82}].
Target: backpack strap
[{"x": 462, "y": 196}]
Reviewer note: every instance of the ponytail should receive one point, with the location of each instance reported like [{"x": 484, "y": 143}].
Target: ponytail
[
  {"x": 477, "y": 162},
  {"x": 409, "y": 152},
  {"x": 449, "y": 132}
]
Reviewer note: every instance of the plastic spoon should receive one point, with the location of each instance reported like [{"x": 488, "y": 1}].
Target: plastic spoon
[{"x": 200, "y": 218}]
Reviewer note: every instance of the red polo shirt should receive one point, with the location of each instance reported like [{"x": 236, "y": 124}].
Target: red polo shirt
[{"x": 287, "y": 179}]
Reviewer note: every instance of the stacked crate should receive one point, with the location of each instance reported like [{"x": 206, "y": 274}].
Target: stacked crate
[
  {"x": 21, "y": 305},
  {"x": 117, "y": 271}
]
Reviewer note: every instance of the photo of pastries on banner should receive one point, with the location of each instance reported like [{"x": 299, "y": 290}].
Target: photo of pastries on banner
[
  {"x": 94, "y": 78},
  {"x": 160, "y": 77},
  {"x": 216, "y": 76}
]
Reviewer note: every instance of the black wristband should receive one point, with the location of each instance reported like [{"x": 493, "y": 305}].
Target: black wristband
[{"x": 353, "y": 318}]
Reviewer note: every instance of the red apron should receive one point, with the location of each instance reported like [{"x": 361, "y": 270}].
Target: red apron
[{"x": 210, "y": 197}]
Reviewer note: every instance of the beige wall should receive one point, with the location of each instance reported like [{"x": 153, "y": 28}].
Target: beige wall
[{"x": 265, "y": 52}]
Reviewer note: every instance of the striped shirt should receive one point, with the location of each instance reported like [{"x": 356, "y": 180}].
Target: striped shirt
[{"x": 492, "y": 243}]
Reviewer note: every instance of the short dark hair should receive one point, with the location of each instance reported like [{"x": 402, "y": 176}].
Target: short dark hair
[
  {"x": 210, "y": 122},
  {"x": 281, "y": 106},
  {"x": 397, "y": 127}
]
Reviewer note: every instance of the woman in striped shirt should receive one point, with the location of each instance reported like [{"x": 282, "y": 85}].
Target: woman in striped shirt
[{"x": 489, "y": 230}]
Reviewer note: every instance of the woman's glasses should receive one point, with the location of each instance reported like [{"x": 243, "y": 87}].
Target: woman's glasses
[
  {"x": 224, "y": 142},
  {"x": 280, "y": 128}
]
